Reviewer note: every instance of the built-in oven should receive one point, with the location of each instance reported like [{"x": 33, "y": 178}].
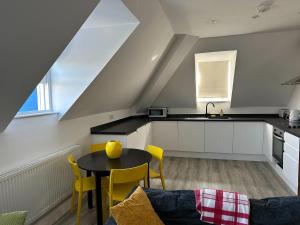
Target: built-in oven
[{"x": 278, "y": 143}]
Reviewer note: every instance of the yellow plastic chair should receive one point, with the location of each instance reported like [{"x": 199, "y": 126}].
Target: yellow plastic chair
[
  {"x": 158, "y": 154},
  {"x": 97, "y": 147},
  {"x": 104, "y": 180},
  {"x": 80, "y": 185},
  {"x": 122, "y": 181}
]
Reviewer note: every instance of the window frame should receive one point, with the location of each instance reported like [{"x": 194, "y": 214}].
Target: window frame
[
  {"x": 46, "y": 81},
  {"x": 229, "y": 56}
]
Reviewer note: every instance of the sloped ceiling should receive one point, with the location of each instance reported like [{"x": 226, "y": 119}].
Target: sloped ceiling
[
  {"x": 173, "y": 58},
  {"x": 33, "y": 34},
  {"x": 212, "y": 18},
  {"x": 264, "y": 61},
  {"x": 123, "y": 79},
  {"x": 99, "y": 38}
]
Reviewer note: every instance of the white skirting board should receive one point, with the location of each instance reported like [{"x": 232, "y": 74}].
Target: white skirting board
[
  {"x": 205, "y": 155},
  {"x": 38, "y": 186}
]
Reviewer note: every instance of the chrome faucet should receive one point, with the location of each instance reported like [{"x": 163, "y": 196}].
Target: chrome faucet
[{"x": 206, "y": 114}]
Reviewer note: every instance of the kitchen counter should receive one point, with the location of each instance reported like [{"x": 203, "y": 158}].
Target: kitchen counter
[{"x": 131, "y": 124}]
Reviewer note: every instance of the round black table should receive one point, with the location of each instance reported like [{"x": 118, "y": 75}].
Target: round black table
[{"x": 100, "y": 165}]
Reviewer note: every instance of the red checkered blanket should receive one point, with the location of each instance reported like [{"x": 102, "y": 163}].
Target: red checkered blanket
[{"x": 222, "y": 208}]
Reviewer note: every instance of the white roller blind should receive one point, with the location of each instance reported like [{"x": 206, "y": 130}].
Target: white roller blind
[{"x": 213, "y": 79}]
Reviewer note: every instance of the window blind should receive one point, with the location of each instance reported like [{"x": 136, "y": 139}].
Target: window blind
[{"x": 213, "y": 79}]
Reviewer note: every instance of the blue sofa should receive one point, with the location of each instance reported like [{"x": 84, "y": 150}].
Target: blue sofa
[{"x": 178, "y": 208}]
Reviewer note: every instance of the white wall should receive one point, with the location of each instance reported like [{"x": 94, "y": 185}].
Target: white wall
[
  {"x": 294, "y": 102},
  {"x": 264, "y": 62},
  {"x": 27, "y": 139}
]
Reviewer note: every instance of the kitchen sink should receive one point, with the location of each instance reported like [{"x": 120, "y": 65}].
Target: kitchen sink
[
  {"x": 196, "y": 118},
  {"x": 212, "y": 117},
  {"x": 219, "y": 118}
]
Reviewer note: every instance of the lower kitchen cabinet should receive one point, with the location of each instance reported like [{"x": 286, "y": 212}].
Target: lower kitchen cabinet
[
  {"x": 218, "y": 137},
  {"x": 291, "y": 161},
  {"x": 140, "y": 138},
  {"x": 132, "y": 140},
  {"x": 165, "y": 134},
  {"x": 268, "y": 141},
  {"x": 248, "y": 138},
  {"x": 191, "y": 136},
  {"x": 290, "y": 170}
]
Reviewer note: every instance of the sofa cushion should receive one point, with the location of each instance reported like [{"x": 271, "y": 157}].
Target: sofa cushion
[
  {"x": 275, "y": 211},
  {"x": 173, "y": 207},
  {"x": 13, "y": 218},
  {"x": 135, "y": 209}
]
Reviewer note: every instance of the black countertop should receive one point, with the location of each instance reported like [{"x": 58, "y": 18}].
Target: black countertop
[{"x": 131, "y": 124}]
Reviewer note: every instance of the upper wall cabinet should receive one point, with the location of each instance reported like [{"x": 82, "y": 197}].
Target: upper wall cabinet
[
  {"x": 191, "y": 136},
  {"x": 218, "y": 137},
  {"x": 248, "y": 138},
  {"x": 165, "y": 134}
]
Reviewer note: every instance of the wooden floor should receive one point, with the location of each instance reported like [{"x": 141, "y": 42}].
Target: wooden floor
[{"x": 256, "y": 179}]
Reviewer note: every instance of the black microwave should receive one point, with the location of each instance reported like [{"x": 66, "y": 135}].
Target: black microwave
[{"x": 158, "y": 112}]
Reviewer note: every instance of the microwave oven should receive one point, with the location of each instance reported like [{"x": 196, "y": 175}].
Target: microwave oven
[{"x": 158, "y": 112}]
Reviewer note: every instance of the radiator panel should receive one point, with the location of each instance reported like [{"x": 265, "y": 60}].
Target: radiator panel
[{"x": 38, "y": 186}]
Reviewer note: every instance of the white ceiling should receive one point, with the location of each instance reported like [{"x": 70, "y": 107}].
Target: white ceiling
[{"x": 212, "y": 18}]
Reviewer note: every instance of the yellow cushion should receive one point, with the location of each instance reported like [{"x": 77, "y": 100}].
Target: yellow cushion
[{"x": 136, "y": 210}]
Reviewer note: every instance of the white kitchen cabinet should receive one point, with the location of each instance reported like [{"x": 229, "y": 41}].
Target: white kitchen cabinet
[
  {"x": 291, "y": 140},
  {"x": 133, "y": 140},
  {"x": 165, "y": 134},
  {"x": 268, "y": 141},
  {"x": 148, "y": 140},
  {"x": 100, "y": 138},
  {"x": 290, "y": 170},
  {"x": 248, "y": 138},
  {"x": 218, "y": 137},
  {"x": 291, "y": 161},
  {"x": 191, "y": 136},
  {"x": 143, "y": 136}
]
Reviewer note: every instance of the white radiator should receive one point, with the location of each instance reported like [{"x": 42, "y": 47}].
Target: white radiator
[{"x": 38, "y": 186}]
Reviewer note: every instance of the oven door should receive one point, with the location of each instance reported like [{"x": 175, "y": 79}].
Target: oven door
[{"x": 278, "y": 143}]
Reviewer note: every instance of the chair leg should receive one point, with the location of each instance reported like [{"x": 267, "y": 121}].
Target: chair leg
[
  {"x": 104, "y": 204},
  {"x": 163, "y": 182},
  {"x": 80, "y": 195},
  {"x": 73, "y": 199},
  {"x": 110, "y": 204}
]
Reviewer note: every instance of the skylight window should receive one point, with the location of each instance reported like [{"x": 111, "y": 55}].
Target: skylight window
[
  {"x": 40, "y": 100},
  {"x": 214, "y": 75}
]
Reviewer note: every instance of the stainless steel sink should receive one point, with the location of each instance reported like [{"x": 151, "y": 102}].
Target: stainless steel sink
[
  {"x": 196, "y": 118},
  {"x": 209, "y": 118},
  {"x": 219, "y": 118}
]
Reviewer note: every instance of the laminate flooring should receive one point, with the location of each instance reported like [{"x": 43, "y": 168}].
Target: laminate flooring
[{"x": 256, "y": 179}]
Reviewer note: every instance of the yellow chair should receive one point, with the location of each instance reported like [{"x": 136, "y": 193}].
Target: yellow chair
[
  {"x": 157, "y": 153},
  {"x": 81, "y": 185},
  {"x": 122, "y": 181},
  {"x": 97, "y": 147}
]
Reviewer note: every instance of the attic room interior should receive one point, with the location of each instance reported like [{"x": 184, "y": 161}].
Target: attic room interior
[{"x": 154, "y": 112}]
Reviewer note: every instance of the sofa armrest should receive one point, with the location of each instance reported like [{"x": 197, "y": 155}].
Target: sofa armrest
[{"x": 275, "y": 211}]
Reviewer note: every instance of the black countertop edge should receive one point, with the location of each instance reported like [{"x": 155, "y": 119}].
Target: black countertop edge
[{"x": 130, "y": 124}]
